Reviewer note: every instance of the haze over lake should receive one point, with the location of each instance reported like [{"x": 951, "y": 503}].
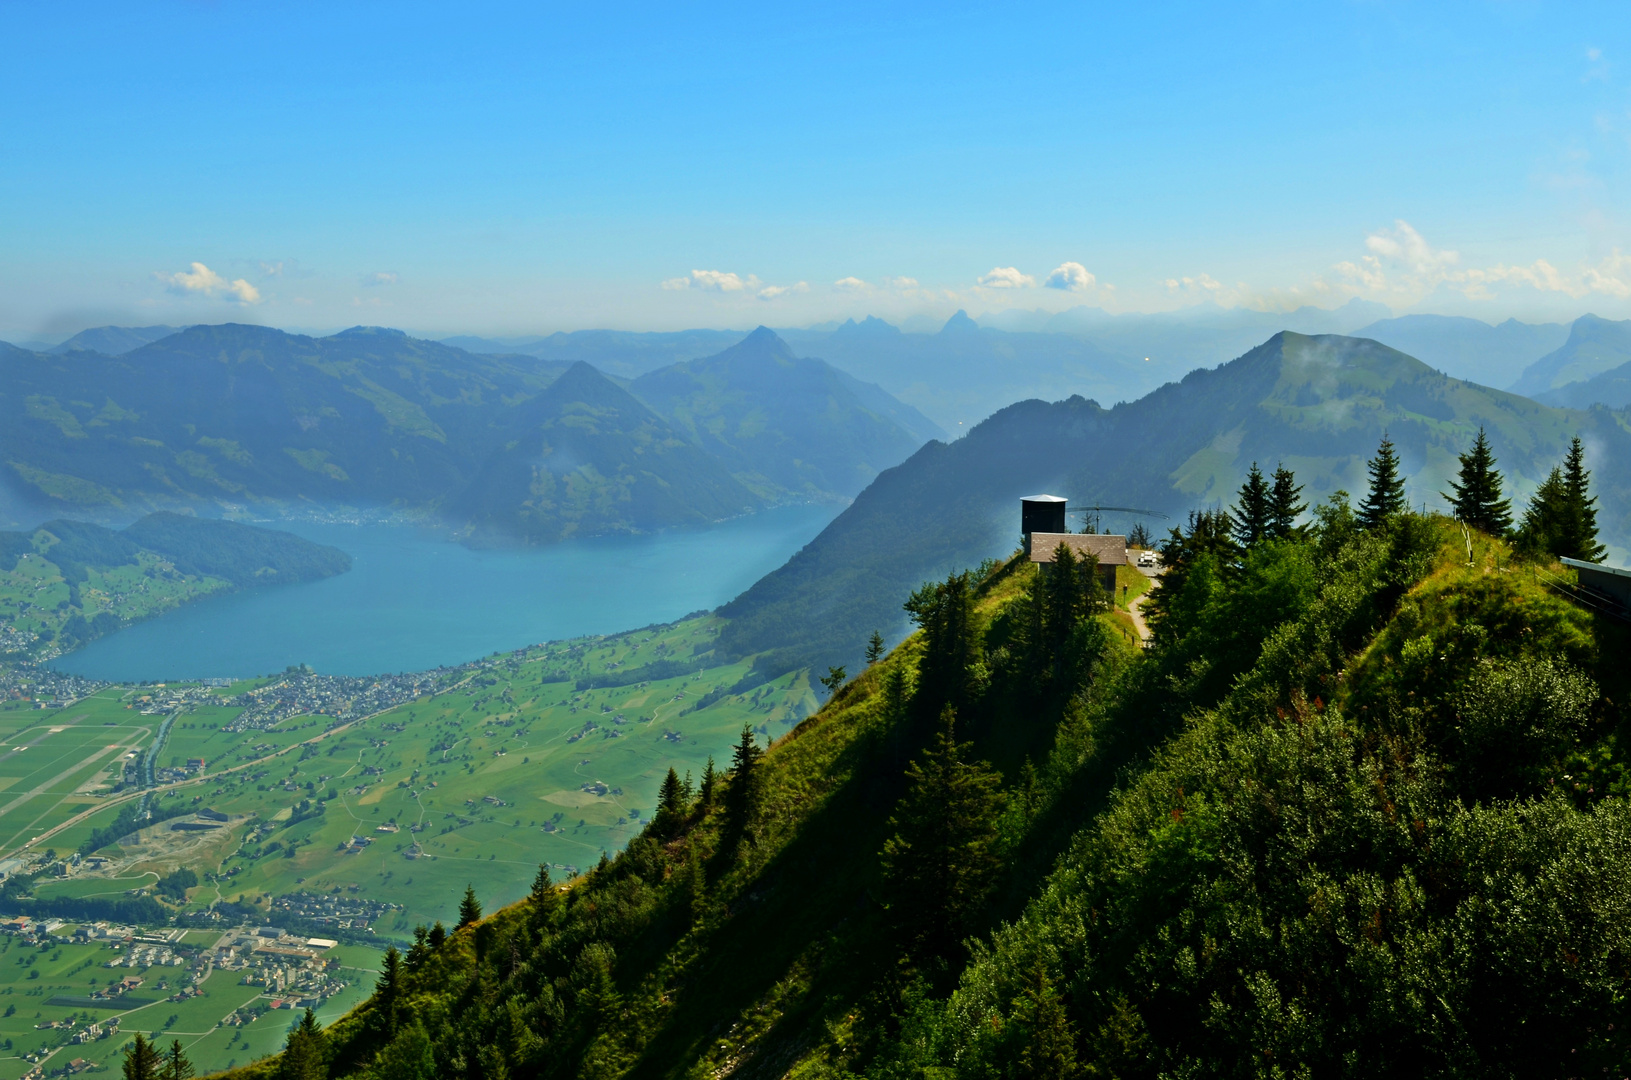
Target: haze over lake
[{"x": 412, "y": 601}]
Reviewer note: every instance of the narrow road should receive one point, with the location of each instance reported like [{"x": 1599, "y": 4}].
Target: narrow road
[{"x": 1135, "y": 609}]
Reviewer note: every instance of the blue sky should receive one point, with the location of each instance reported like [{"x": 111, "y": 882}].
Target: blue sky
[{"x": 513, "y": 169}]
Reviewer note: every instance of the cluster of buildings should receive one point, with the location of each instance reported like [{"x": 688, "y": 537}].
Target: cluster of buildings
[
  {"x": 45, "y": 688},
  {"x": 305, "y": 693},
  {"x": 339, "y": 910},
  {"x": 294, "y": 970}
]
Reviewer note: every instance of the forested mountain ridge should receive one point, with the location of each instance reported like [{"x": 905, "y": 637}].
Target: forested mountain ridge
[
  {"x": 585, "y": 457},
  {"x": 371, "y": 418},
  {"x": 1316, "y": 404},
  {"x": 1360, "y": 808},
  {"x": 67, "y": 583},
  {"x": 782, "y": 423}
]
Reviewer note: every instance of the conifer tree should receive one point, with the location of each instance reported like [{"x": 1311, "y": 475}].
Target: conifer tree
[
  {"x": 671, "y": 805},
  {"x": 1580, "y": 536},
  {"x": 545, "y": 900},
  {"x": 1477, "y": 501},
  {"x": 1285, "y": 504},
  {"x": 834, "y": 679},
  {"x": 742, "y": 796},
  {"x": 1253, "y": 510},
  {"x": 874, "y": 647},
  {"x": 469, "y": 908},
  {"x": 305, "y": 1054},
  {"x": 705, "y": 793},
  {"x": 141, "y": 1060},
  {"x": 1385, "y": 499},
  {"x": 437, "y": 935},
  {"x": 943, "y": 859},
  {"x": 696, "y": 876},
  {"x": 951, "y": 645},
  {"x": 175, "y": 1065},
  {"x": 1048, "y": 1051},
  {"x": 388, "y": 990}
]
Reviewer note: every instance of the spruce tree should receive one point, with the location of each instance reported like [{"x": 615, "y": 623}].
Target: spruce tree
[
  {"x": 874, "y": 647},
  {"x": 175, "y": 1065},
  {"x": 1579, "y": 540},
  {"x": 1477, "y": 501},
  {"x": 469, "y": 908},
  {"x": 1048, "y": 1051},
  {"x": 388, "y": 990},
  {"x": 1285, "y": 504},
  {"x": 141, "y": 1060},
  {"x": 834, "y": 679},
  {"x": 1385, "y": 500},
  {"x": 545, "y": 900},
  {"x": 705, "y": 792},
  {"x": 944, "y": 857},
  {"x": 305, "y": 1054},
  {"x": 1253, "y": 511},
  {"x": 671, "y": 805},
  {"x": 437, "y": 935},
  {"x": 951, "y": 646},
  {"x": 742, "y": 796}
]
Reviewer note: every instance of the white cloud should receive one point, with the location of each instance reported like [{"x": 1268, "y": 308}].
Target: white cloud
[
  {"x": 379, "y": 277},
  {"x": 1200, "y": 285},
  {"x": 900, "y": 282},
  {"x": 713, "y": 281},
  {"x": 1404, "y": 246},
  {"x": 775, "y": 292},
  {"x": 851, "y": 284},
  {"x": 272, "y": 269},
  {"x": 1071, "y": 277},
  {"x": 1005, "y": 277},
  {"x": 1403, "y": 268},
  {"x": 206, "y": 282}
]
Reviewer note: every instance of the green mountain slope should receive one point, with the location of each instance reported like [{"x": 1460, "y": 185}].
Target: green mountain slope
[
  {"x": 69, "y": 582},
  {"x": 782, "y": 424},
  {"x": 584, "y": 457},
  {"x": 114, "y": 340},
  {"x": 1318, "y": 404},
  {"x": 1593, "y": 347},
  {"x": 1360, "y": 810},
  {"x": 1469, "y": 348},
  {"x": 234, "y": 413},
  {"x": 1611, "y": 388}
]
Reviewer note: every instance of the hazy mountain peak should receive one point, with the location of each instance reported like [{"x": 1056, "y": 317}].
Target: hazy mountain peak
[
  {"x": 960, "y": 323},
  {"x": 371, "y": 331},
  {"x": 763, "y": 343},
  {"x": 113, "y": 340},
  {"x": 871, "y": 326}
]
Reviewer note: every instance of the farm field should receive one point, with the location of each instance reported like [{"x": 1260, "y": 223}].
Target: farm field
[{"x": 384, "y": 821}]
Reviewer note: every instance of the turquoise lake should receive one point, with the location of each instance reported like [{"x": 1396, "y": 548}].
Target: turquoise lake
[{"x": 412, "y": 601}]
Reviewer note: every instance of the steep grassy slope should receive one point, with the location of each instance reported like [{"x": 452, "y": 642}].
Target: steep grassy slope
[
  {"x": 1317, "y": 404},
  {"x": 1383, "y": 824}
]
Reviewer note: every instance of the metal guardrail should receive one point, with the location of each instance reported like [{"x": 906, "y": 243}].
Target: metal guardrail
[{"x": 1586, "y": 598}]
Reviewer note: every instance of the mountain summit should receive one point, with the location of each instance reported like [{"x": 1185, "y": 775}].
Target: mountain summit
[{"x": 783, "y": 424}]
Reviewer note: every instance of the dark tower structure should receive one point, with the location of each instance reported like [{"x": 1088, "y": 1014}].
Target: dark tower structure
[{"x": 1043, "y": 514}]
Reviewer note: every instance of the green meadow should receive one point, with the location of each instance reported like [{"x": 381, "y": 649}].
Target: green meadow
[{"x": 512, "y": 768}]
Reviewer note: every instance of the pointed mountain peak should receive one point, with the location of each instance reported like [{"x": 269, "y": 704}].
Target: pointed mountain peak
[
  {"x": 871, "y": 327},
  {"x": 763, "y": 343},
  {"x": 960, "y": 323}
]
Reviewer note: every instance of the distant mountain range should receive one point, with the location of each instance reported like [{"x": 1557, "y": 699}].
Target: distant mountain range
[
  {"x": 1319, "y": 404},
  {"x": 964, "y": 370},
  {"x": 500, "y": 445}
]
